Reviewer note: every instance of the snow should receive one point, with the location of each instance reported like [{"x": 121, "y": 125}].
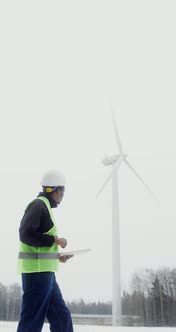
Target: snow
[{"x": 10, "y": 327}]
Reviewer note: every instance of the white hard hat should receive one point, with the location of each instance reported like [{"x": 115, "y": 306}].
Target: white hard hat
[{"x": 53, "y": 178}]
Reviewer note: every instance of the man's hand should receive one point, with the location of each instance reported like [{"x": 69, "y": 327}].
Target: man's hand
[
  {"x": 64, "y": 259},
  {"x": 61, "y": 242}
]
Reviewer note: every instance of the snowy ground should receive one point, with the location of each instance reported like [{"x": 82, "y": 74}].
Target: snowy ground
[{"x": 11, "y": 327}]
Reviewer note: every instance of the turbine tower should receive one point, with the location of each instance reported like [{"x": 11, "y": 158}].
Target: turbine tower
[{"x": 115, "y": 161}]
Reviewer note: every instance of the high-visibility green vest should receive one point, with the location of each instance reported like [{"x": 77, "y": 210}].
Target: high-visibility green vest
[{"x": 39, "y": 259}]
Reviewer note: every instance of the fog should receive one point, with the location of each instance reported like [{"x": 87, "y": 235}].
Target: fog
[{"x": 61, "y": 64}]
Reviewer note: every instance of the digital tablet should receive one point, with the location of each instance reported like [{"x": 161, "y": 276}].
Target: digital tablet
[{"x": 74, "y": 252}]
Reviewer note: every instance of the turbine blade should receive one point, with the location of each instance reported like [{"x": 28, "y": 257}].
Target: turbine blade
[
  {"x": 139, "y": 177},
  {"x": 116, "y": 131},
  {"x": 115, "y": 168}
]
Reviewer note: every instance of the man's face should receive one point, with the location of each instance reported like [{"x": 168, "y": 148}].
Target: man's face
[{"x": 60, "y": 194}]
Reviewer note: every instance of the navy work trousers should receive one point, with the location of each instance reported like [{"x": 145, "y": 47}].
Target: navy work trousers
[{"x": 42, "y": 299}]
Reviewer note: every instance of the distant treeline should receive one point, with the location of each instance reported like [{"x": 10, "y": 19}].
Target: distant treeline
[{"x": 152, "y": 297}]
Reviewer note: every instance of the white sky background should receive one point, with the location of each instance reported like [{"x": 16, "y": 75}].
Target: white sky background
[{"x": 60, "y": 64}]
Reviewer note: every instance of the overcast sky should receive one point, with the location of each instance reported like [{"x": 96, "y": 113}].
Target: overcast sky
[{"x": 61, "y": 64}]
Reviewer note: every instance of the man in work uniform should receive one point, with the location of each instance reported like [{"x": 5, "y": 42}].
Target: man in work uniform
[{"x": 38, "y": 261}]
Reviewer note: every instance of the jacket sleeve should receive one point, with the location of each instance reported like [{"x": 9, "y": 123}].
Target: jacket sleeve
[{"x": 32, "y": 225}]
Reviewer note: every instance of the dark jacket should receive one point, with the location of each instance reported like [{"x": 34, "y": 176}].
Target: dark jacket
[{"x": 35, "y": 222}]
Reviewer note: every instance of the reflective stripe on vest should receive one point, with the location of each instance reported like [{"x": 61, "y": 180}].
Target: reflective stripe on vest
[
  {"x": 39, "y": 259},
  {"x": 39, "y": 255}
]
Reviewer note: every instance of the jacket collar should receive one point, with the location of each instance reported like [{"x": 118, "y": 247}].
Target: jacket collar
[{"x": 53, "y": 203}]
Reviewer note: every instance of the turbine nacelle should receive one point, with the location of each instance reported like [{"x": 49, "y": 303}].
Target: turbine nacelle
[{"x": 111, "y": 160}]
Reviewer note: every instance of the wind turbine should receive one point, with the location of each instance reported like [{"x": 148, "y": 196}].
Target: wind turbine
[{"x": 115, "y": 161}]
